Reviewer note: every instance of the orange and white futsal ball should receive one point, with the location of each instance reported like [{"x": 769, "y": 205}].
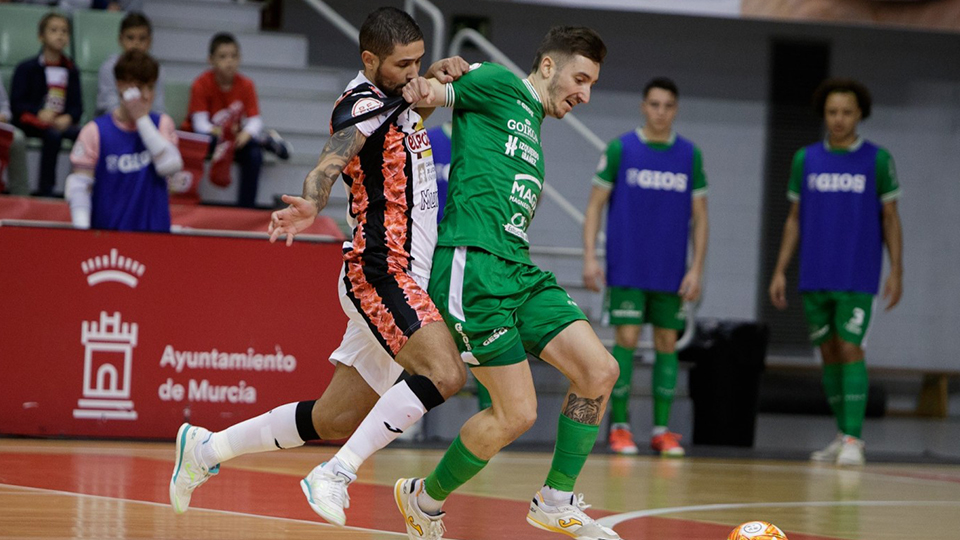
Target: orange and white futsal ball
[{"x": 756, "y": 530}]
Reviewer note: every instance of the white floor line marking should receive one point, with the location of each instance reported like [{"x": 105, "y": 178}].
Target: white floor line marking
[
  {"x": 45, "y": 491},
  {"x": 611, "y": 521}
]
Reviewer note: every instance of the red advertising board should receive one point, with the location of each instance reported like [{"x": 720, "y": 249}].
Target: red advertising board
[{"x": 109, "y": 334}]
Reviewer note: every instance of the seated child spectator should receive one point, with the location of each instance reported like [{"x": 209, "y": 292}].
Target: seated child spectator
[
  {"x": 121, "y": 159},
  {"x": 45, "y": 96},
  {"x": 223, "y": 104},
  {"x": 136, "y": 34},
  {"x": 17, "y": 166}
]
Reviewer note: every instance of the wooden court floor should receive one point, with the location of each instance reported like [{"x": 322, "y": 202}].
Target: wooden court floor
[{"x": 98, "y": 490}]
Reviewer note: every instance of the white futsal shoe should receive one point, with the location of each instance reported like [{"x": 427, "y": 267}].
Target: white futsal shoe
[
  {"x": 851, "y": 452},
  {"x": 326, "y": 492},
  {"x": 568, "y": 519},
  {"x": 189, "y": 472},
  {"x": 830, "y": 453},
  {"x": 420, "y": 526}
]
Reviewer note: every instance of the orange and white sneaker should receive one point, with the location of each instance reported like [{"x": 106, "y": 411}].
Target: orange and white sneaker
[
  {"x": 667, "y": 444},
  {"x": 569, "y": 519},
  {"x": 621, "y": 442},
  {"x": 420, "y": 525}
]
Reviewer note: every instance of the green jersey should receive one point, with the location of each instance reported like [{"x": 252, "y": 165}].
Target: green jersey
[{"x": 496, "y": 170}]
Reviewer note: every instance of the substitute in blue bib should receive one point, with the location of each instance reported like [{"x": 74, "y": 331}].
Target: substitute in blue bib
[
  {"x": 653, "y": 183},
  {"x": 843, "y": 192},
  {"x": 121, "y": 160}
]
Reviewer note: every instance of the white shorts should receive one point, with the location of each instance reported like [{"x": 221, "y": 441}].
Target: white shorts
[{"x": 361, "y": 349}]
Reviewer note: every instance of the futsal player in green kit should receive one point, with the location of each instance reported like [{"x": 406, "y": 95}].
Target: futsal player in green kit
[
  {"x": 654, "y": 182},
  {"x": 844, "y": 193},
  {"x": 497, "y": 304}
]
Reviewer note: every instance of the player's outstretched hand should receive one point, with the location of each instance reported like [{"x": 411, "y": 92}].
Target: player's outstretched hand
[
  {"x": 592, "y": 274},
  {"x": 292, "y": 219},
  {"x": 778, "y": 291},
  {"x": 892, "y": 290},
  {"x": 448, "y": 69},
  {"x": 690, "y": 286},
  {"x": 417, "y": 90}
]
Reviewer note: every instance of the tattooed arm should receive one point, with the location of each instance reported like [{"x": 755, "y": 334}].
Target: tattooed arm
[
  {"x": 339, "y": 150},
  {"x": 583, "y": 410}
]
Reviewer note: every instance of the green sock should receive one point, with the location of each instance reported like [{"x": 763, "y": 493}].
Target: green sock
[
  {"x": 664, "y": 383},
  {"x": 620, "y": 398},
  {"x": 483, "y": 397},
  {"x": 854, "y": 397},
  {"x": 456, "y": 467},
  {"x": 833, "y": 388},
  {"x": 574, "y": 443}
]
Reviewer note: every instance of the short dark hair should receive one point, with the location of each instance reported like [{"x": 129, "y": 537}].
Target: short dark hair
[
  {"x": 570, "y": 41},
  {"x": 222, "y": 38},
  {"x": 45, "y": 20},
  {"x": 839, "y": 84},
  {"x": 662, "y": 83},
  {"x": 136, "y": 66},
  {"x": 386, "y": 28},
  {"x": 135, "y": 20}
]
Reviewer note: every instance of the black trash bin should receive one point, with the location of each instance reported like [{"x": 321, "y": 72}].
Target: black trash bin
[{"x": 728, "y": 359}]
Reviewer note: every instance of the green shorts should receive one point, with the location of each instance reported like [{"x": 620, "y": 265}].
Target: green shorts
[
  {"x": 846, "y": 314},
  {"x": 498, "y": 310},
  {"x": 626, "y": 305}
]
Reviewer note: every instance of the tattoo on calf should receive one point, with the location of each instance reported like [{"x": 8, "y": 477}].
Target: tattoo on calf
[{"x": 583, "y": 410}]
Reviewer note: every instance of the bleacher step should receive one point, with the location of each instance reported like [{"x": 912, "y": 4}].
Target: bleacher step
[
  {"x": 267, "y": 49},
  {"x": 203, "y": 15},
  {"x": 267, "y": 79}
]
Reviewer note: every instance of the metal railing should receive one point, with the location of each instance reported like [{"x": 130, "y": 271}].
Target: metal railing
[
  {"x": 439, "y": 25},
  {"x": 335, "y": 19},
  {"x": 410, "y": 6}
]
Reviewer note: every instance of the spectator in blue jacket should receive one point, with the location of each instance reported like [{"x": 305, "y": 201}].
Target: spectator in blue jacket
[{"x": 45, "y": 96}]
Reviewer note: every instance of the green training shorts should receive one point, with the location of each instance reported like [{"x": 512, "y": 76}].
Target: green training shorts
[
  {"x": 626, "y": 305},
  {"x": 846, "y": 314}
]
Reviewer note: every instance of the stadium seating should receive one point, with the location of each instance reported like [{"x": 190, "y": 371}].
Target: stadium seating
[
  {"x": 18, "y": 35},
  {"x": 94, "y": 38},
  {"x": 176, "y": 99}
]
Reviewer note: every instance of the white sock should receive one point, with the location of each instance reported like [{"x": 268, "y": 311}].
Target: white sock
[
  {"x": 334, "y": 466},
  {"x": 620, "y": 426},
  {"x": 428, "y": 504},
  {"x": 659, "y": 430},
  {"x": 555, "y": 497},
  {"x": 273, "y": 430},
  {"x": 397, "y": 409}
]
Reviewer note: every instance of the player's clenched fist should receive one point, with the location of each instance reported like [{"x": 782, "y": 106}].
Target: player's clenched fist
[{"x": 417, "y": 90}]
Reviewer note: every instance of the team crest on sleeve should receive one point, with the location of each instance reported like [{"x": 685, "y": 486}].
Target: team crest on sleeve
[{"x": 365, "y": 105}]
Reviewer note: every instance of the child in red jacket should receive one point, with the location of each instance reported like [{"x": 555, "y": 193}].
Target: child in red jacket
[{"x": 223, "y": 103}]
